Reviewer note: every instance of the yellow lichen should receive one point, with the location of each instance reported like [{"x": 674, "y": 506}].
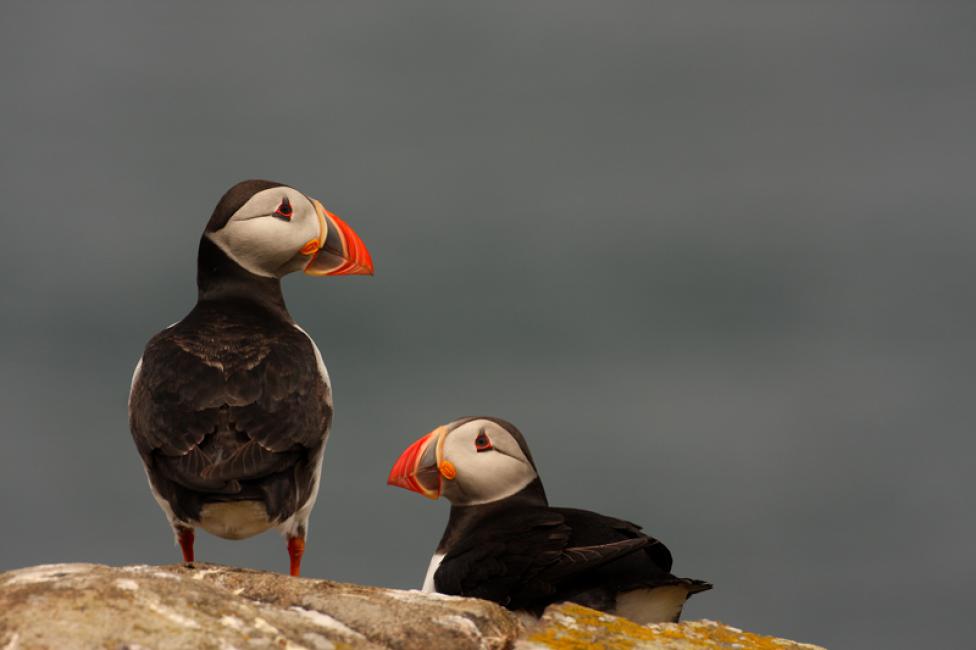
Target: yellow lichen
[
  {"x": 579, "y": 632},
  {"x": 571, "y": 627}
]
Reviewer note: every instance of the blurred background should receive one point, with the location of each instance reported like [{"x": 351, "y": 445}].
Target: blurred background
[{"x": 714, "y": 259}]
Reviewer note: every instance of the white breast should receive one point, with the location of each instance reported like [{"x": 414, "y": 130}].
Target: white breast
[{"x": 435, "y": 562}]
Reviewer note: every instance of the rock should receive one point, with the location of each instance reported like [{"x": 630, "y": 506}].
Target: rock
[
  {"x": 67, "y": 606},
  {"x": 568, "y": 626},
  {"x": 86, "y": 605}
]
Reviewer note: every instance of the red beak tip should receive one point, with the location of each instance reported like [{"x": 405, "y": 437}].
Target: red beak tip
[{"x": 402, "y": 473}]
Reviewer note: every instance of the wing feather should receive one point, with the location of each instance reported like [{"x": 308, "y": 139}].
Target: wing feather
[
  {"x": 226, "y": 399},
  {"x": 527, "y": 557}
]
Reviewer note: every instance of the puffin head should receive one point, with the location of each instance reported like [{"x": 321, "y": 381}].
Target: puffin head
[
  {"x": 271, "y": 230},
  {"x": 469, "y": 461}
]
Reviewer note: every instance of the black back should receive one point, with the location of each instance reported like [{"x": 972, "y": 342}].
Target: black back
[
  {"x": 229, "y": 403},
  {"x": 527, "y": 557}
]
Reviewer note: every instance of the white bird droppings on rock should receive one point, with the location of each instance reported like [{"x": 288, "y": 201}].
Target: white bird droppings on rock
[
  {"x": 171, "y": 614},
  {"x": 264, "y": 626},
  {"x": 200, "y": 575},
  {"x": 465, "y": 625},
  {"x": 415, "y": 595},
  {"x": 126, "y": 584},
  {"x": 326, "y": 621},
  {"x": 318, "y": 641},
  {"x": 46, "y": 573},
  {"x": 232, "y": 622},
  {"x": 566, "y": 621}
]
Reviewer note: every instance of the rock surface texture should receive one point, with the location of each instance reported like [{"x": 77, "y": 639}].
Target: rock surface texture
[{"x": 66, "y": 606}]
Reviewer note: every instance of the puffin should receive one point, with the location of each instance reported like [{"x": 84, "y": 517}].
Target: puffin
[
  {"x": 505, "y": 543},
  {"x": 230, "y": 408}
]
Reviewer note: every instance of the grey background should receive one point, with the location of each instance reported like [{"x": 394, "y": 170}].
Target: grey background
[{"x": 713, "y": 258}]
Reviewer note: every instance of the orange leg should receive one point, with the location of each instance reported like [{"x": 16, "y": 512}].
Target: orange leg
[
  {"x": 296, "y": 548},
  {"x": 185, "y": 537}
]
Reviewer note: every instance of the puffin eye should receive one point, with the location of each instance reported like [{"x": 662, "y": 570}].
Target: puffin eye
[
  {"x": 284, "y": 210},
  {"x": 482, "y": 443}
]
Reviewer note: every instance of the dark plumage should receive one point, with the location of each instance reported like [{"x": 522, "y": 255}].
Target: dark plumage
[
  {"x": 526, "y": 557},
  {"x": 229, "y": 405},
  {"x": 230, "y": 408},
  {"x": 504, "y": 543}
]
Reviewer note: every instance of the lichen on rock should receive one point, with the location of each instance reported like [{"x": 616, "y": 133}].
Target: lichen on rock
[
  {"x": 569, "y": 626},
  {"x": 68, "y": 606}
]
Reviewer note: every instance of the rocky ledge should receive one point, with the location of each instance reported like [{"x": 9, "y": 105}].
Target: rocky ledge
[{"x": 66, "y": 606}]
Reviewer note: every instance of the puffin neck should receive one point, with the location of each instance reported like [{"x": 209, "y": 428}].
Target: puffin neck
[
  {"x": 462, "y": 518},
  {"x": 220, "y": 278}
]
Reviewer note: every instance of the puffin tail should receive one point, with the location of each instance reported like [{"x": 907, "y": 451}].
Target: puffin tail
[{"x": 696, "y": 586}]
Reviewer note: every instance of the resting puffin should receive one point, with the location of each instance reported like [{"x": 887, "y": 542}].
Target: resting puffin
[
  {"x": 504, "y": 542},
  {"x": 230, "y": 408}
]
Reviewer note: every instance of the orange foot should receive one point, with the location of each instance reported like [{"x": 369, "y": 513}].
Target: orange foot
[
  {"x": 296, "y": 548},
  {"x": 185, "y": 537}
]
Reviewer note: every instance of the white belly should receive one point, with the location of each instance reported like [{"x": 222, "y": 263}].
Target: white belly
[
  {"x": 658, "y": 605},
  {"x": 234, "y": 519}
]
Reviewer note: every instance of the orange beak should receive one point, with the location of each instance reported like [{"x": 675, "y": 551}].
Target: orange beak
[
  {"x": 417, "y": 468},
  {"x": 339, "y": 250}
]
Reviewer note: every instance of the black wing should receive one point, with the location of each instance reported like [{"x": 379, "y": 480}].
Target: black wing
[
  {"x": 527, "y": 558},
  {"x": 649, "y": 568},
  {"x": 229, "y": 404},
  {"x": 591, "y": 527},
  {"x": 524, "y": 558}
]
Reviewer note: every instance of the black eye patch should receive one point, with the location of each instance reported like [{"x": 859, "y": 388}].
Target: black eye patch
[
  {"x": 482, "y": 442},
  {"x": 284, "y": 210}
]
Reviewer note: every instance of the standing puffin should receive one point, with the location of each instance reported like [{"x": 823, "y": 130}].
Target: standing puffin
[
  {"x": 230, "y": 408},
  {"x": 504, "y": 542}
]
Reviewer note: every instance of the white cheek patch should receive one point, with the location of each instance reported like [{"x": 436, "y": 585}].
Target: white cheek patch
[
  {"x": 266, "y": 245},
  {"x": 495, "y": 477},
  {"x": 485, "y": 476}
]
